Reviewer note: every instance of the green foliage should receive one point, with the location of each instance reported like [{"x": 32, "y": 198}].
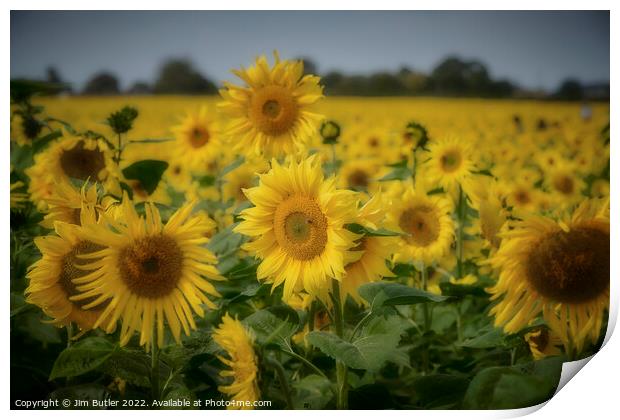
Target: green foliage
[
  {"x": 390, "y": 294},
  {"x": 375, "y": 346},
  {"x": 275, "y": 325},
  {"x": 400, "y": 172},
  {"x": 82, "y": 357},
  {"x": 366, "y": 231},
  {"x": 514, "y": 387},
  {"x": 147, "y": 172},
  {"x": 122, "y": 121}
]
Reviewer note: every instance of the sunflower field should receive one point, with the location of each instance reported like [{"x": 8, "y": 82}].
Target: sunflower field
[{"x": 273, "y": 248}]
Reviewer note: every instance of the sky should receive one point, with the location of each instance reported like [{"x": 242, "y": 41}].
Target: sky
[{"x": 534, "y": 49}]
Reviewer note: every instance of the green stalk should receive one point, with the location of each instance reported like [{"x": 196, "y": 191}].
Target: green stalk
[
  {"x": 342, "y": 396},
  {"x": 427, "y": 318},
  {"x": 155, "y": 391},
  {"x": 286, "y": 389}
]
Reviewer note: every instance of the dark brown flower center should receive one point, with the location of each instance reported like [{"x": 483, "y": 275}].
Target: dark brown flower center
[
  {"x": 421, "y": 223},
  {"x": 151, "y": 267},
  {"x": 564, "y": 184},
  {"x": 200, "y": 136},
  {"x": 82, "y": 163},
  {"x": 358, "y": 179},
  {"x": 571, "y": 267}
]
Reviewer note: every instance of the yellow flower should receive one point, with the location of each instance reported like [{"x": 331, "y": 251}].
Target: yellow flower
[
  {"x": 51, "y": 279},
  {"x": 272, "y": 115},
  {"x": 558, "y": 268},
  {"x": 149, "y": 272},
  {"x": 297, "y": 227},
  {"x": 197, "y": 140},
  {"x": 238, "y": 342},
  {"x": 68, "y": 158},
  {"x": 65, "y": 204},
  {"x": 375, "y": 251},
  {"x": 425, "y": 221},
  {"x": 450, "y": 162},
  {"x": 241, "y": 178}
]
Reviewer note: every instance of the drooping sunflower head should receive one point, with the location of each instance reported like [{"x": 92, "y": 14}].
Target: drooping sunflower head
[
  {"x": 543, "y": 343},
  {"x": 272, "y": 114},
  {"x": 559, "y": 268},
  {"x": 197, "y": 139},
  {"x": 241, "y": 360},
  {"x": 51, "y": 279},
  {"x": 68, "y": 158},
  {"x": 426, "y": 224},
  {"x": 450, "y": 161},
  {"x": 297, "y": 226},
  {"x": 150, "y": 272}
]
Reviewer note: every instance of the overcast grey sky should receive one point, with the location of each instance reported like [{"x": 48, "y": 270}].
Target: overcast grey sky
[{"x": 534, "y": 49}]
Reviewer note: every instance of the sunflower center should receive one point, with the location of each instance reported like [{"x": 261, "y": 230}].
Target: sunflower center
[
  {"x": 300, "y": 227},
  {"x": 273, "y": 110},
  {"x": 421, "y": 223},
  {"x": 82, "y": 163},
  {"x": 69, "y": 272},
  {"x": 450, "y": 161},
  {"x": 151, "y": 267},
  {"x": 199, "y": 137},
  {"x": 564, "y": 184},
  {"x": 571, "y": 267},
  {"x": 522, "y": 197},
  {"x": 358, "y": 179}
]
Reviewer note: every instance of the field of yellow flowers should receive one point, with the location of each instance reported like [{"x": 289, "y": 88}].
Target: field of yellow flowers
[{"x": 273, "y": 248}]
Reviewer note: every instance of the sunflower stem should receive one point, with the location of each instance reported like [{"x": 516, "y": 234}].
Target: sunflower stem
[
  {"x": 334, "y": 161},
  {"x": 342, "y": 396},
  {"x": 155, "y": 392},
  {"x": 120, "y": 150},
  {"x": 281, "y": 374},
  {"x": 459, "y": 238},
  {"x": 427, "y": 318},
  {"x": 413, "y": 166}
]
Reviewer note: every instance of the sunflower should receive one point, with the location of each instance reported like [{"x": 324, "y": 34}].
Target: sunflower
[
  {"x": 425, "y": 221},
  {"x": 68, "y": 158},
  {"x": 298, "y": 227},
  {"x": 450, "y": 162},
  {"x": 374, "y": 250},
  {"x": 487, "y": 199},
  {"x": 197, "y": 139},
  {"x": 51, "y": 279},
  {"x": 65, "y": 204},
  {"x": 238, "y": 342},
  {"x": 149, "y": 272},
  {"x": 563, "y": 181},
  {"x": 359, "y": 174},
  {"x": 558, "y": 268},
  {"x": 272, "y": 115},
  {"x": 543, "y": 343}
]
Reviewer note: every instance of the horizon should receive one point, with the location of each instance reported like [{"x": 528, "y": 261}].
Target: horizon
[{"x": 348, "y": 42}]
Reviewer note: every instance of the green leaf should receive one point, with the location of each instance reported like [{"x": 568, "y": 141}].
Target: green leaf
[
  {"x": 133, "y": 366},
  {"x": 376, "y": 346},
  {"x": 147, "y": 172},
  {"x": 491, "y": 339},
  {"x": 232, "y": 166},
  {"x": 400, "y": 172},
  {"x": 206, "y": 180},
  {"x": 31, "y": 324},
  {"x": 390, "y": 294},
  {"x": 362, "y": 230},
  {"x": 275, "y": 325},
  {"x": 82, "y": 357},
  {"x": 514, "y": 387},
  {"x": 312, "y": 393}
]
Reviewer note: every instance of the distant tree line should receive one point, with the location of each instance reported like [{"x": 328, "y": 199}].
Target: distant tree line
[{"x": 451, "y": 77}]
